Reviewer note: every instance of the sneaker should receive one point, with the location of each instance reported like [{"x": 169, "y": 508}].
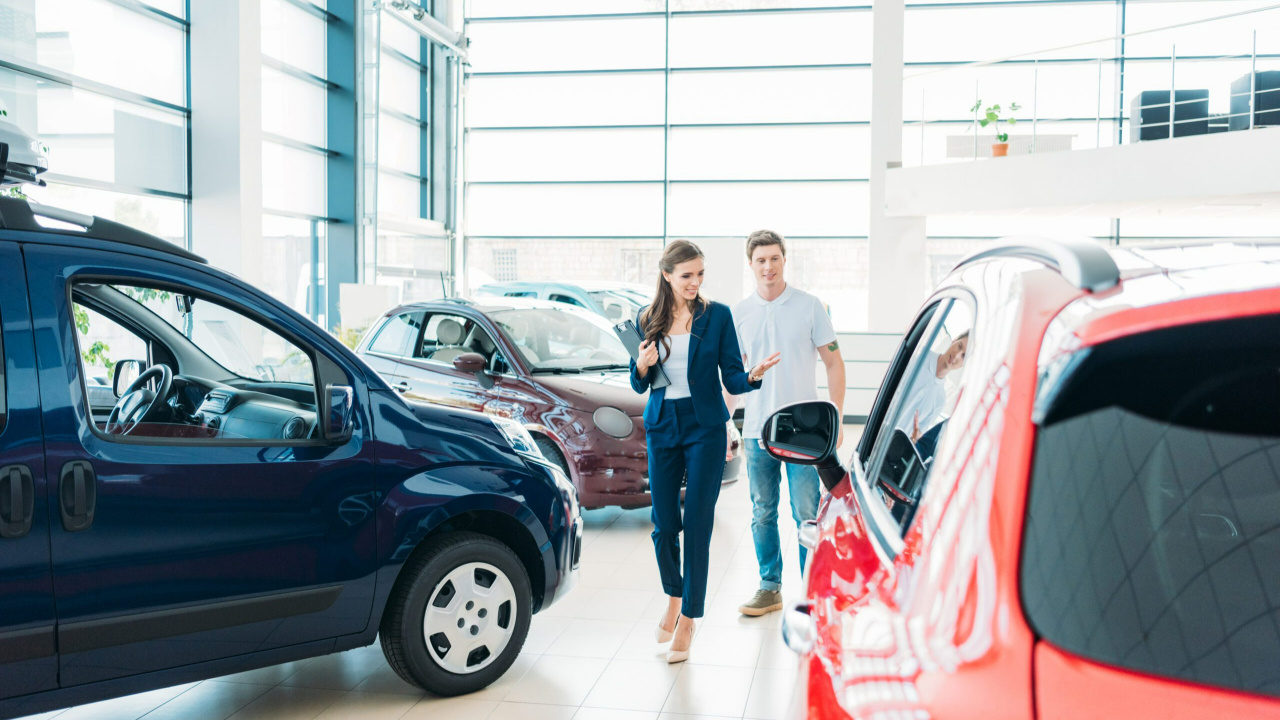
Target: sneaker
[{"x": 762, "y": 603}]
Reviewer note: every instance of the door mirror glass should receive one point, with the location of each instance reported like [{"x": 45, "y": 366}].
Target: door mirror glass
[
  {"x": 339, "y": 413},
  {"x": 124, "y": 373},
  {"x": 803, "y": 433}
]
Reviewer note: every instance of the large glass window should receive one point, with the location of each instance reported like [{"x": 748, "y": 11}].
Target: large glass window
[
  {"x": 582, "y": 164},
  {"x": 118, "y": 150},
  {"x": 1153, "y": 524}
]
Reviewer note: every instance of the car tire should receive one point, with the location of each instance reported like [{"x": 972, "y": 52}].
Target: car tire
[
  {"x": 449, "y": 580},
  {"x": 552, "y": 453}
]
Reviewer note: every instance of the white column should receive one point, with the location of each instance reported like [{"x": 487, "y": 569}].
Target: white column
[
  {"x": 226, "y": 132},
  {"x": 898, "y": 267}
]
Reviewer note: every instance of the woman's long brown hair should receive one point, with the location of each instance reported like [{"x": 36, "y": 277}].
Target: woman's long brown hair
[{"x": 656, "y": 320}]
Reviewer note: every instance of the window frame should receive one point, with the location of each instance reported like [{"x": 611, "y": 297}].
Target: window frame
[
  {"x": 307, "y": 348},
  {"x": 865, "y": 462}
]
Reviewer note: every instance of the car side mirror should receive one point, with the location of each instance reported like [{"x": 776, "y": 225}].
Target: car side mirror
[
  {"x": 338, "y": 413},
  {"x": 474, "y": 364},
  {"x": 806, "y": 433},
  {"x": 124, "y": 373},
  {"x": 803, "y": 433}
]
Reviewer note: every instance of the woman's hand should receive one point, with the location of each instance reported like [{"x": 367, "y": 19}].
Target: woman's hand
[
  {"x": 648, "y": 357},
  {"x": 757, "y": 372}
]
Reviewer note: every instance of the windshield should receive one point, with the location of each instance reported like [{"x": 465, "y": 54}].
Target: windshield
[{"x": 555, "y": 340}]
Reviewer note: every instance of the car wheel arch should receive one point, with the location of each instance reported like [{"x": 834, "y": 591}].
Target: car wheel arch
[{"x": 499, "y": 517}]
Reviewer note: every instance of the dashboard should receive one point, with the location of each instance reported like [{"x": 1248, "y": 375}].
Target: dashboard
[{"x": 234, "y": 413}]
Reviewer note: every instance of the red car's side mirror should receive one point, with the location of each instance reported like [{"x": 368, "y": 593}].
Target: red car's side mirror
[{"x": 804, "y": 433}]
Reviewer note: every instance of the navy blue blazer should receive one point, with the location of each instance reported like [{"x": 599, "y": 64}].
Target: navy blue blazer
[{"x": 714, "y": 357}]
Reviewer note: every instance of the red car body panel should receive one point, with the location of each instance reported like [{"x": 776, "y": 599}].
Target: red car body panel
[{"x": 939, "y": 631}]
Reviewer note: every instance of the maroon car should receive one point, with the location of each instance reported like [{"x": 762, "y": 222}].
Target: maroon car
[{"x": 557, "y": 369}]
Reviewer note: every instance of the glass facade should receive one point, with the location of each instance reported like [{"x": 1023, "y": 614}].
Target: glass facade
[
  {"x": 597, "y": 131},
  {"x": 103, "y": 85}
]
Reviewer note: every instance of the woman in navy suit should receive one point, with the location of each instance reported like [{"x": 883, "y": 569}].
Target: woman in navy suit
[{"x": 695, "y": 343}]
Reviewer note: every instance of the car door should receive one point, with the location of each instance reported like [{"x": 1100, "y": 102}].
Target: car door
[
  {"x": 199, "y": 541},
  {"x": 28, "y": 655},
  {"x": 429, "y": 371},
  {"x": 862, "y": 569}
]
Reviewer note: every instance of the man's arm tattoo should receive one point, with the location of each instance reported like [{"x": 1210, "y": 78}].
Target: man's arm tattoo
[{"x": 834, "y": 346}]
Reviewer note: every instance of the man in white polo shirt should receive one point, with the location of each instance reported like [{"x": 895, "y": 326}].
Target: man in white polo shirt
[{"x": 780, "y": 318}]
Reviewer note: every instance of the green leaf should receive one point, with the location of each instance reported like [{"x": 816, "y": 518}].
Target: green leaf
[
  {"x": 1003, "y": 137},
  {"x": 975, "y": 107},
  {"x": 1013, "y": 121}
]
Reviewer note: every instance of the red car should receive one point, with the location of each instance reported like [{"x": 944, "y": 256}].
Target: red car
[
  {"x": 1066, "y": 503},
  {"x": 557, "y": 369}
]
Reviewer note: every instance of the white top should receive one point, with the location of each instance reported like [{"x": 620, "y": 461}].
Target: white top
[
  {"x": 794, "y": 324},
  {"x": 928, "y": 396},
  {"x": 676, "y": 366}
]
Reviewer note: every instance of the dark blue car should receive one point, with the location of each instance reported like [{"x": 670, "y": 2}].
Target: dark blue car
[{"x": 196, "y": 480}]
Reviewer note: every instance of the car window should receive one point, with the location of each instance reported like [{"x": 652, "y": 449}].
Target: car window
[
  {"x": 397, "y": 335},
  {"x": 616, "y": 306},
  {"x": 1152, "y": 537},
  {"x": 444, "y": 338},
  {"x": 236, "y": 379},
  {"x": 564, "y": 340},
  {"x": 103, "y": 341},
  {"x": 566, "y": 299},
  {"x": 902, "y": 457}
]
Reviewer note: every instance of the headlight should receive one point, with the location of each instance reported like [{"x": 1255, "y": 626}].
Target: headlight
[
  {"x": 613, "y": 422},
  {"x": 519, "y": 438}
]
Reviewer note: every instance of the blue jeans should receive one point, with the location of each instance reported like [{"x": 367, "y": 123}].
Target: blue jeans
[{"x": 765, "y": 475}]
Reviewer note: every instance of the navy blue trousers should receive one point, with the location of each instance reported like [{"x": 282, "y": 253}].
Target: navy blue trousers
[{"x": 678, "y": 445}]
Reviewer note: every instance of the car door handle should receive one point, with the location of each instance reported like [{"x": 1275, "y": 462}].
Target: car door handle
[
  {"x": 808, "y": 534},
  {"x": 78, "y": 495},
  {"x": 17, "y": 501},
  {"x": 401, "y": 387}
]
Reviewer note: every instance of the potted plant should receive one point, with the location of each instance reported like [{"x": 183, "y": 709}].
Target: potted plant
[{"x": 991, "y": 116}]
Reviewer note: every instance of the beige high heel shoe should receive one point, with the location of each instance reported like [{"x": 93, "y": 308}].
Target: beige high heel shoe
[
  {"x": 679, "y": 656},
  {"x": 663, "y": 635}
]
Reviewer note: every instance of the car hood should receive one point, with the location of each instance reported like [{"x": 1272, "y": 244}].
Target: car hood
[{"x": 589, "y": 391}]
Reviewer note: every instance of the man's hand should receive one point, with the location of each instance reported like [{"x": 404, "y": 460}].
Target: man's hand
[
  {"x": 840, "y": 437},
  {"x": 915, "y": 427}
]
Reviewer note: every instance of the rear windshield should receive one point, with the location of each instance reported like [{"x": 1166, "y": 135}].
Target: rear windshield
[{"x": 1153, "y": 531}]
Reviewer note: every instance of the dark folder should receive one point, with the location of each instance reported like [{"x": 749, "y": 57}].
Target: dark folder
[{"x": 631, "y": 339}]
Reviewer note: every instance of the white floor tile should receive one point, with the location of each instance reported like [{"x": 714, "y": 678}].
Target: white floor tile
[
  {"x": 729, "y": 646},
  {"x": 289, "y": 703},
  {"x": 710, "y": 690},
  {"x": 557, "y": 681},
  {"x": 209, "y": 701},
  {"x": 770, "y": 694},
  {"x": 369, "y": 706},
  {"x": 590, "y": 713},
  {"x": 128, "y": 707},
  {"x": 459, "y": 708},
  {"x": 634, "y": 685},
  {"x": 544, "y": 630},
  {"x": 524, "y": 711},
  {"x": 591, "y": 638},
  {"x": 502, "y": 687}
]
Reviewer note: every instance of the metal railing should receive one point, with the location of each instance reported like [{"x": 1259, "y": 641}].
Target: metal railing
[{"x": 1099, "y": 93}]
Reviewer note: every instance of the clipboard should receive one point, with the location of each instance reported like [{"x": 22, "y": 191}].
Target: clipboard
[{"x": 631, "y": 339}]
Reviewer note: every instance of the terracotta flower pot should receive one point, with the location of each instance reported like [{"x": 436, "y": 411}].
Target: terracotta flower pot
[{"x": 999, "y": 149}]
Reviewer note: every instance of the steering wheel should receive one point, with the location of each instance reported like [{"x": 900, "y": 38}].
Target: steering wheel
[{"x": 138, "y": 403}]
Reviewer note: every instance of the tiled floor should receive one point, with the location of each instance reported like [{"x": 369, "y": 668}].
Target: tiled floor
[{"x": 590, "y": 657}]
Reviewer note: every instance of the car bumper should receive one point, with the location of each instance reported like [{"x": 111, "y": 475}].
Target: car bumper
[{"x": 616, "y": 472}]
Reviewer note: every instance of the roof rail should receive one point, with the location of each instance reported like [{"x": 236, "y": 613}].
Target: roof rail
[
  {"x": 18, "y": 214},
  {"x": 1085, "y": 264}
]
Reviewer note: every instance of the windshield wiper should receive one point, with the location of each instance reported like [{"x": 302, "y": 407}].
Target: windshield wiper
[
  {"x": 610, "y": 366},
  {"x": 556, "y": 371}
]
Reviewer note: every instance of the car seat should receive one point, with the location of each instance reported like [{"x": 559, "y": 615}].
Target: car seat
[{"x": 449, "y": 334}]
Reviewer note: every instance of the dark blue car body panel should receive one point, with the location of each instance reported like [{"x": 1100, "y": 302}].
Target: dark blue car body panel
[{"x": 204, "y": 559}]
